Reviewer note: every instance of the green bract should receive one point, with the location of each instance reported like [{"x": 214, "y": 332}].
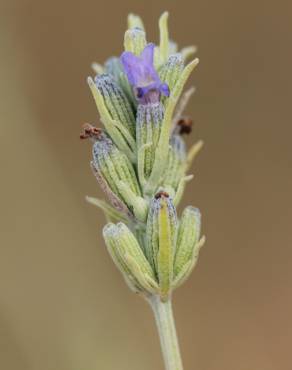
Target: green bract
[{"x": 141, "y": 162}]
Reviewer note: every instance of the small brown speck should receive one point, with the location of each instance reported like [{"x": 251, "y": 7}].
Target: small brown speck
[
  {"x": 90, "y": 131},
  {"x": 185, "y": 125},
  {"x": 161, "y": 194}
]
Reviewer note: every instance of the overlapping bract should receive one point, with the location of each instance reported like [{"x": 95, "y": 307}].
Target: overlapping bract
[{"x": 140, "y": 161}]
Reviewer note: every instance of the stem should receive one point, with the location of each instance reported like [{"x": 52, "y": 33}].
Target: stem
[{"x": 167, "y": 333}]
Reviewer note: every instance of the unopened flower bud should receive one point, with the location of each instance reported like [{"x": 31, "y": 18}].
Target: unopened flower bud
[
  {"x": 171, "y": 70},
  {"x": 188, "y": 243},
  {"x": 175, "y": 167},
  {"x": 129, "y": 258},
  {"x": 116, "y": 102},
  {"x": 135, "y": 40},
  {"x": 148, "y": 126},
  {"x": 112, "y": 167},
  {"x": 161, "y": 234}
]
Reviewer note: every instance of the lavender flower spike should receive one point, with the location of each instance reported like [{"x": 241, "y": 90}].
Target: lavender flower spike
[
  {"x": 142, "y": 75},
  {"x": 141, "y": 163}
]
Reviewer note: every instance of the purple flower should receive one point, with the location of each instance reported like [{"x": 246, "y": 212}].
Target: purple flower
[{"x": 143, "y": 76}]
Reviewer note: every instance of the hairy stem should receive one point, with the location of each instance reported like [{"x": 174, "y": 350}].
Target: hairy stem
[{"x": 167, "y": 333}]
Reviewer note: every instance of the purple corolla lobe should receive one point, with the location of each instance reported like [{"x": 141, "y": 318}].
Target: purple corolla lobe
[{"x": 143, "y": 76}]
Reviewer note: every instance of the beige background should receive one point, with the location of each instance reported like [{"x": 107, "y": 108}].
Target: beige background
[{"x": 63, "y": 305}]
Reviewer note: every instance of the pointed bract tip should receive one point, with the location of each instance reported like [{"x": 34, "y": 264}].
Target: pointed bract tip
[
  {"x": 164, "y": 15},
  {"x": 90, "y": 81},
  {"x": 196, "y": 61}
]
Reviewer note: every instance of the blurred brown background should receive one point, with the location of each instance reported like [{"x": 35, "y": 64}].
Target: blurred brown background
[{"x": 63, "y": 305}]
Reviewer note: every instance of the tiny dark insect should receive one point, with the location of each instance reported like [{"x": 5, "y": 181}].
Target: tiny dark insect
[
  {"x": 161, "y": 194},
  {"x": 185, "y": 125},
  {"x": 90, "y": 131}
]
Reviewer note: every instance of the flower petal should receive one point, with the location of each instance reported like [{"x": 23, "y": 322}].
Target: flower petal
[
  {"x": 148, "y": 54},
  {"x": 130, "y": 63}
]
